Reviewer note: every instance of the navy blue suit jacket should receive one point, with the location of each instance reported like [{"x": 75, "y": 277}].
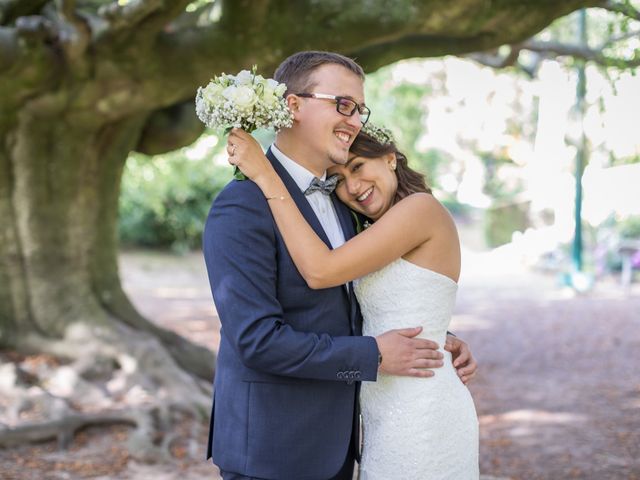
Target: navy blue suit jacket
[{"x": 290, "y": 357}]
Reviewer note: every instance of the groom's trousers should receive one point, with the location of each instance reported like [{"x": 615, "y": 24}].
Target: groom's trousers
[{"x": 345, "y": 473}]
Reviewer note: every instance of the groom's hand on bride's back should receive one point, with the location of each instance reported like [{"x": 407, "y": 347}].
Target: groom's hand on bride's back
[{"x": 403, "y": 354}]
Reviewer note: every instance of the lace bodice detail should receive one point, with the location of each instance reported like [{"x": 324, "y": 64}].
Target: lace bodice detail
[
  {"x": 403, "y": 294},
  {"x": 415, "y": 428}
]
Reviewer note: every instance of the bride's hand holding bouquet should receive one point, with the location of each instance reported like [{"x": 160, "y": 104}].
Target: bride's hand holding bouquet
[{"x": 246, "y": 154}]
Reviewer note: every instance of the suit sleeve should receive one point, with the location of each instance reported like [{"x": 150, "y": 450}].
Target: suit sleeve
[{"x": 240, "y": 251}]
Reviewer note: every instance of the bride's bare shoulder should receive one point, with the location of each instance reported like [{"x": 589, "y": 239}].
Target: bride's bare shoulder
[
  {"x": 422, "y": 205},
  {"x": 419, "y": 203}
]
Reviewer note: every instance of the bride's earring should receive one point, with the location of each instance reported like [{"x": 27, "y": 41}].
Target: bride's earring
[{"x": 392, "y": 166}]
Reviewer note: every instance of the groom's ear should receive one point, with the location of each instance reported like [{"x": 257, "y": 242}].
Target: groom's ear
[{"x": 293, "y": 102}]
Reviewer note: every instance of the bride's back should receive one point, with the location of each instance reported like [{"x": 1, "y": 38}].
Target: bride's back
[{"x": 441, "y": 252}]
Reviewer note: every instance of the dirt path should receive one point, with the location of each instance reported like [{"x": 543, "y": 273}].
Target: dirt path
[
  {"x": 559, "y": 390},
  {"x": 558, "y": 393}
]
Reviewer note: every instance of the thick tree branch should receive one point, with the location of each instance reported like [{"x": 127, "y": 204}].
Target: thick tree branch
[
  {"x": 578, "y": 51},
  {"x": 620, "y": 38},
  {"x": 625, "y": 9},
  {"x": 75, "y": 33},
  {"x": 169, "y": 129},
  {"x": 493, "y": 59},
  {"x": 27, "y": 62},
  {"x": 242, "y": 14},
  {"x": 36, "y": 29},
  {"x": 12, "y": 9},
  {"x": 555, "y": 49},
  {"x": 129, "y": 14},
  {"x": 372, "y": 58},
  {"x": 67, "y": 8},
  {"x": 145, "y": 17},
  {"x": 186, "y": 58}
]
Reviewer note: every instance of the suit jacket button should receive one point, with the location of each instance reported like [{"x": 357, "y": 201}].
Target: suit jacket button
[
  {"x": 340, "y": 375},
  {"x": 357, "y": 375}
]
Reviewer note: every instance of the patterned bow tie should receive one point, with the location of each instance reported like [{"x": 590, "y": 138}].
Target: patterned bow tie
[{"x": 325, "y": 186}]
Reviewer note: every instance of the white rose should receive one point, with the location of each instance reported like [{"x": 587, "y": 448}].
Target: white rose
[
  {"x": 245, "y": 77},
  {"x": 242, "y": 97},
  {"x": 212, "y": 93},
  {"x": 229, "y": 92}
]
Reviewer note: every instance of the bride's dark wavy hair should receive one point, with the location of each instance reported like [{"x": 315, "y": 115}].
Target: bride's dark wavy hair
[{"x": 409, "y": 181}]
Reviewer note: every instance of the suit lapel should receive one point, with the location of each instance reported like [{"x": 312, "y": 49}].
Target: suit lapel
[{"x": 299, "y": 198}]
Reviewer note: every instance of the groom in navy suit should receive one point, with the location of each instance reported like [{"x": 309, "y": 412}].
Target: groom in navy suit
[{"x": 291, "y": 358}]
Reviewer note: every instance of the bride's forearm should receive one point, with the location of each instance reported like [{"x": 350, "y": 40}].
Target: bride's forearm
[
  {"x": 271, "y": 185},
  {"x": 308, "y": 251}
]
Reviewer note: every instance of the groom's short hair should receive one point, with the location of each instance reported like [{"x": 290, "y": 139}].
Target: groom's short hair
[{"x": 295, "y": 71}]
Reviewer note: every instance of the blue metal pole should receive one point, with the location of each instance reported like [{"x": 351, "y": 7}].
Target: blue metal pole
[{"x": 581, "y": 156}]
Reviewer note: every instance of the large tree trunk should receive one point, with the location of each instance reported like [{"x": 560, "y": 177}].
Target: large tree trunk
[
  {"x": 60, "y": 291},
  {"x": 59, "y": 205}
]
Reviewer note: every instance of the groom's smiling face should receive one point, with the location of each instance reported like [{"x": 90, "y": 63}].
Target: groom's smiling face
[{"x": 327, "y": 133}]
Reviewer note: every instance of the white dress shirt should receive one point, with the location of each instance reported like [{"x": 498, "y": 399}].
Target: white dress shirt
[{"x": 320, "y": 203}]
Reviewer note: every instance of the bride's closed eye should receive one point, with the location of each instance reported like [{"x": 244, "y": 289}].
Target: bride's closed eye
[{"x": 355, "y": 166}]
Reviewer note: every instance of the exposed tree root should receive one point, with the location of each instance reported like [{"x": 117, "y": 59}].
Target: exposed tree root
[
  {"x": 96, "y": 376},
  {"x": 65, "y": 428}
]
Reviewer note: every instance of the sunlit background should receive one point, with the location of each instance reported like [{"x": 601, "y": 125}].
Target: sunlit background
[{"x": 499, "y": 147}]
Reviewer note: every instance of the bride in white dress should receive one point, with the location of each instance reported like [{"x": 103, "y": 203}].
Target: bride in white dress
[{"x": 405, "y": 266}]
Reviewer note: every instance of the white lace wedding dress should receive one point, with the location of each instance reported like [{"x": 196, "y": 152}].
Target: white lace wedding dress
[{"x": 415, "y": 428}]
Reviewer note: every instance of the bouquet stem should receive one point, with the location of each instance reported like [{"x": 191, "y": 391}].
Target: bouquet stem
[{"x": 237, "y": 174}]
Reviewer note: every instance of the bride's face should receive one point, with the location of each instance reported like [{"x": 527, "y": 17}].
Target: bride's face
[{"x": 367, "y": 185}]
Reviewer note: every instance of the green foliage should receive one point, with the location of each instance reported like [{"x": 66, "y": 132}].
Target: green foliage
[
  {"x": 501, "y": 222},
  {"x": 630, "y": 228},
  {"x": 615, "y": 161},
  {"x": 165, "y": 199},
  {"x": 494, "y": 186},
  {"x": 613, "y": 233}
]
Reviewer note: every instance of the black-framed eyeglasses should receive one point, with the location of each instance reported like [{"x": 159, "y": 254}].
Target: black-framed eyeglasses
[{"x": 344, "y": 106}]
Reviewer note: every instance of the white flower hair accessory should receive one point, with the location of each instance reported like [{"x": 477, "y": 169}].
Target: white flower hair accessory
[{"x": 381, "y": 135}]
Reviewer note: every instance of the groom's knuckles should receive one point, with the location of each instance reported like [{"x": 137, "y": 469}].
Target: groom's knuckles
[
  {"x": 424, "y": 363},
  {"x": 425, "y": 344},
  {"x": 428, "y": 354}
]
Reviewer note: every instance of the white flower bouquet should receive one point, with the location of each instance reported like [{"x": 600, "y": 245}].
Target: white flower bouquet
[{"x": 246, "y": 100}]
